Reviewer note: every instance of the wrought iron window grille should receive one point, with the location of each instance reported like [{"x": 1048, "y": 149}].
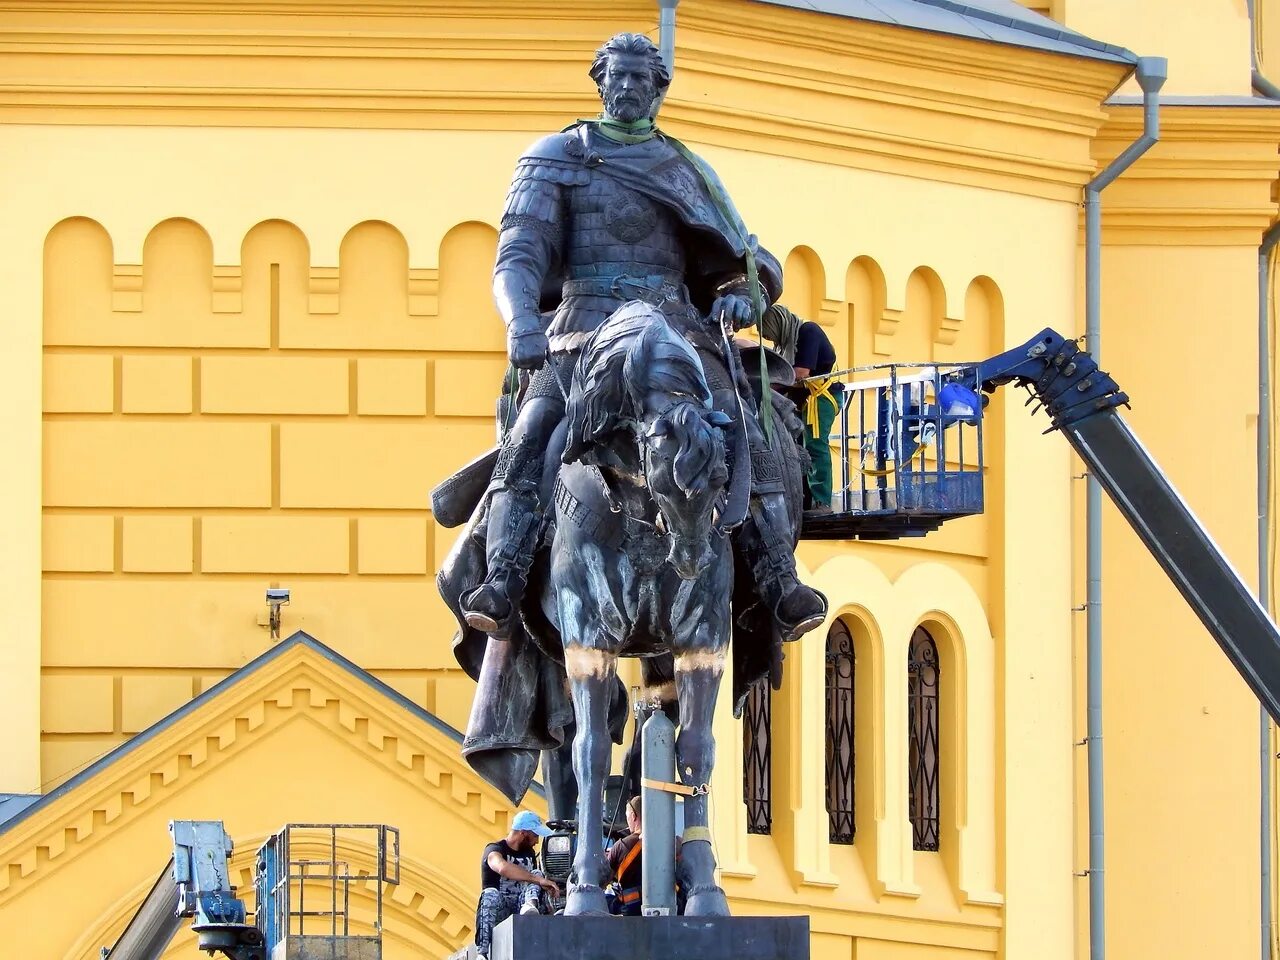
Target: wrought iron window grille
[
  {"x": 757, "y": 760},
  {"x": 923, "y": 678},
  {"x": 839, "y": 734}
]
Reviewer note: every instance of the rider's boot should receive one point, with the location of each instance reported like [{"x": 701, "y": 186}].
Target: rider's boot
[
  {"x": 512, "y": 538},
  {"x": 796, "y": 607}
]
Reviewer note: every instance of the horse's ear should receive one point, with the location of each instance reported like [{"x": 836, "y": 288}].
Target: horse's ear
[{"x": 717, "y": 418}]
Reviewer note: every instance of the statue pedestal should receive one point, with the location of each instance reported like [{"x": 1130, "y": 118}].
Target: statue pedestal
[{"x": 535, "y": 937}]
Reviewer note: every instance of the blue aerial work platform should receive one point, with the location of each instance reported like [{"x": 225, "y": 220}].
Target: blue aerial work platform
[
  {"x": 302, "y": 879},
  {"x": 906, "y": 468}
]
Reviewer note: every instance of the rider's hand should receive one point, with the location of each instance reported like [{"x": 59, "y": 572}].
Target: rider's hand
[
  {"x": 549, "y": 886},
  {"x": 526, "y": 343},
  {"x": 736, "y": 308}
]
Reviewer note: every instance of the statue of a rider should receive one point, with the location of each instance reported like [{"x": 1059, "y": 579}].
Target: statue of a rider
[{"x": 604, "y": 212}]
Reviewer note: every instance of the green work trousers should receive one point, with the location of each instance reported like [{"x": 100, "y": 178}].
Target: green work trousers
[{"x": 819, "y": 447}]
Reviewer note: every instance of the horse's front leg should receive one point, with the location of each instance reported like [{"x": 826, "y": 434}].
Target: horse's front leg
[
  {"x": 699, "y": 669},
  {"x": 591, "y": 670}
]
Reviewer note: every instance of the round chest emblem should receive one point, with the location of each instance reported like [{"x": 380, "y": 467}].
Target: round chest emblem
[{"x": 630, "y": 218}]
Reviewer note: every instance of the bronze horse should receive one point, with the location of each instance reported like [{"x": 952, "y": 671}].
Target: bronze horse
[{"x": 641, "y": 566}]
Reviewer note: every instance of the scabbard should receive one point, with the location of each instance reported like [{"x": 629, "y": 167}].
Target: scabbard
[{"x": 455, "y": 499}]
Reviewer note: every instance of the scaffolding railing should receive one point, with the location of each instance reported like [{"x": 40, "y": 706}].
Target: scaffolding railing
[
  {"x": 908, "y": 441},
  {"x": 304, "y": 886}
]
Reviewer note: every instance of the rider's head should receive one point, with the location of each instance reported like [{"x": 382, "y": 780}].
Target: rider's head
[
  {"x": 629, "y": 73},
  {"x": 633, "y": 814}
]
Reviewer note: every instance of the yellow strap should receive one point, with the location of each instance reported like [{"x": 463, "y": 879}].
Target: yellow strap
[
  {"x": 692, "y": 834},
  {"x": 817, "y": 388},
  {"x": 679, "y": 788}
]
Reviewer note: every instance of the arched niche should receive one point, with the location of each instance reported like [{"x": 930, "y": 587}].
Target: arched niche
[
  {"x": 467, "y": 254},
  {"x": 78, "y": 267},
  {"x": 982, "y": 332},
  {"x": 924, "y": 314},
  {"x": 373, "y": 272},
  {"x": 275, "y": 259},
  {"x": 804, "y": 283},
  {"x": 177, "y": 270},
  {"x": 865, "y": 292}
]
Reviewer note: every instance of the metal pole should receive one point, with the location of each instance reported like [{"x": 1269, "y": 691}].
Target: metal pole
[
  {"x": 1265, "y": 249},
  {"x": 1093, "y": 601},
  {"x": 658, "y": 817},
  {"x": 666, "y": 44},
  {"x": 1151, "y": 74}
]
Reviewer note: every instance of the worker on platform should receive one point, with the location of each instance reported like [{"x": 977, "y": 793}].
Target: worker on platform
[
  {"x": 804, "y": 345},
  {"x": 510, "y": 880}
]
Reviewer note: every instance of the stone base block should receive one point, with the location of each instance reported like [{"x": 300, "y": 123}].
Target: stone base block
[{"x": 535, "y": 937}]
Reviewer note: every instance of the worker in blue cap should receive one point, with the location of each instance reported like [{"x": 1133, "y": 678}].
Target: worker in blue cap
[{"x": 510, "y": 880}]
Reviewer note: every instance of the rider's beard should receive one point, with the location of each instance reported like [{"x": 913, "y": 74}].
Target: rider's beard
[{"x": 636, "y": 107}]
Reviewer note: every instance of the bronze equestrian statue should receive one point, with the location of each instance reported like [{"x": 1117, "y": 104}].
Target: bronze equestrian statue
[{"x": 646, "y": 500}]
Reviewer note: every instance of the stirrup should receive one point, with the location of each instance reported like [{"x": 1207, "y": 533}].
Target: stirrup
[{"x": 488, "y": 621}]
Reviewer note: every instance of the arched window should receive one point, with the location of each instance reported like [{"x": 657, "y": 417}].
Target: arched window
[
  {"x": 757, "y": 765},
  {"x": 922, "y": 719},
  {"x": 840, "y": 760}
]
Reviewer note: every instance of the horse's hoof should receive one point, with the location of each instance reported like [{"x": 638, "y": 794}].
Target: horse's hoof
[
  {"x": 587, "y": 900},
  {"x": 707, "y": 902}
]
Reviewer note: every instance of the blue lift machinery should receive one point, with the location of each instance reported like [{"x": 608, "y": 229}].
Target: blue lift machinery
[
  {"x": 911, "y": 458},
  {"x": 303, "y": 881}
]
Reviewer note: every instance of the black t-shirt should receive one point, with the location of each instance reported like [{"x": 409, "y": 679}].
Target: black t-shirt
[
  {"x": 490, "y": 880},
  {"x": 814, "y": 351}
]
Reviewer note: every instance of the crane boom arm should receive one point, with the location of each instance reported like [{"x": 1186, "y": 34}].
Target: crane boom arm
[{"x": 1083, "y": 403}]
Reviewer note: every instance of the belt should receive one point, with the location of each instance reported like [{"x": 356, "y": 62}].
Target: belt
[
  {"x": 819, "y": 388},
  {"x": 655, "y": 289}
]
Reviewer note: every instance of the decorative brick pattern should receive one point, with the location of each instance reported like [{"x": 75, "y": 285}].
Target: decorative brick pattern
[
  {"x": 391, "y": 387},
  {"x": 275, "y": 544},
  {"x": 77, "y": 704},
  {"x": 156, "y": 384},
  {"x": 393, "y": 545},
  {"x": 79, "y": 383},
  {"x": 157, "y": 544},
  {"x": 273, "y": 385},
  {"x": 78, "y": 544},
  {"x": 146, "y": 699}
]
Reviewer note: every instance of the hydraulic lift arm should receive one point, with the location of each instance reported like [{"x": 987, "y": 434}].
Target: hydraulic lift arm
[
  {"x": 1082, "y": 402},
  {"x": 196, "y": 884}
]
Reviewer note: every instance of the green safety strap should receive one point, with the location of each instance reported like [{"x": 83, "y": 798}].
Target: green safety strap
[
  {"x": 619, "y": 132},
  {"x": 753, "y": 280}
]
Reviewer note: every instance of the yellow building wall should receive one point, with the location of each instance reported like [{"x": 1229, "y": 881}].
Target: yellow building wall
[
  {"x": 262, "y": 329},
  {"x": 1179, "y": 286},
  {"x": 1207, "y": 43}
]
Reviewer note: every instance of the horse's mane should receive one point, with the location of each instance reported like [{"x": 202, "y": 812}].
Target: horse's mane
[
  {"x": 701, "y": 445},
  {"x": 635, "y": 353}
]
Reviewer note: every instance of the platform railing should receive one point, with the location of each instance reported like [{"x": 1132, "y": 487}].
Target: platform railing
[{"x": 909, "y": 440}]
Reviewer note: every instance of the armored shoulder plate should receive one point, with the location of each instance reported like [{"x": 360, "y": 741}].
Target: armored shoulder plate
[{"x": 540, "y": 174}]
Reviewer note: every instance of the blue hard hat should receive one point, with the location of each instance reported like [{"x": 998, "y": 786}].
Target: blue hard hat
[{"x": 528, "y": 820}]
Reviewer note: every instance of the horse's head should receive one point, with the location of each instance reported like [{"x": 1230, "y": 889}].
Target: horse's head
[
  {"x": 684, "y": 467},
  {"x": 639, "y": 384}
]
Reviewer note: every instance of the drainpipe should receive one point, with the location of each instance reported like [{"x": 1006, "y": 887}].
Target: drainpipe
[
  {"x": 1265, "y": 249},
  {"x": 1151, "y": 75},
  {"x": 1266, "y": 88},
  {"x": 666, "y": 43},
  {"x": 1260, "y": 83}
]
